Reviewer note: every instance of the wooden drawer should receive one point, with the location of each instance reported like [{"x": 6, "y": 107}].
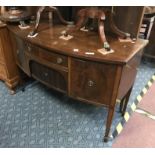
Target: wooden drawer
[
  {"x": 3, "y": 75},
  {"x": 92, "y": 82},
  {"x": 47, "y": 55},
  {"x": 50, "y": 77}
]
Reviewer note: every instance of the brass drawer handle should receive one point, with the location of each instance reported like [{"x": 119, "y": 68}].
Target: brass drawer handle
[
  {"x": 59, "y": 60},
  {"x": 90, "y": 83}
]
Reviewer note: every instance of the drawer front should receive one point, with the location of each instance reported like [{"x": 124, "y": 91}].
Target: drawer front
[
  {"x": 50, "y": 77},
  {"x": 47, "y": 55},
  {"x": 3, "y": 75},
  {"x": 92, "y": 82}
]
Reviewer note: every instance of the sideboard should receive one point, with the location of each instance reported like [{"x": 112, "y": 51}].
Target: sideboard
[{"x": 76, "y": 68}]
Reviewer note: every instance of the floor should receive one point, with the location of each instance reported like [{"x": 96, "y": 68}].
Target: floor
[
  {"x": 40, "y": 117},
  {"x": 138, "y": 132}
]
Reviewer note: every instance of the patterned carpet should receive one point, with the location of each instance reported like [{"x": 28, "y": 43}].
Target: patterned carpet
[{"x": 40, "y": 117}]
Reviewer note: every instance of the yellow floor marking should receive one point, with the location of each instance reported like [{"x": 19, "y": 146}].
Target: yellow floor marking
[
  {"x": 149, "y": 83},
  {"x": 119, "y": 128},
  {"x": 139, "y": 98},
  {"x": 126, "y": 116},
  {"x": 133, "y": 106},
  {"x": 144, "y": 90},
  {"x": 153, "y": 77}
]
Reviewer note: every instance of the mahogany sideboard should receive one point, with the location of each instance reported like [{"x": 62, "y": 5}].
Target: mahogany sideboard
[
  {"x": 65, "y": 65},
  {"x": 8, "y": 68}
]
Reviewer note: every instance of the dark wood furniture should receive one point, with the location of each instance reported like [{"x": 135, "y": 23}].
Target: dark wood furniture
[
  {"x": 8, "y": 67},
  {"x": 147, "y": 23},
  {"x": 149, "y": 51},
  {"x": 129, "y": 19},
  {"x": 97, "y": 79},
  {"x": 146, "y": 27},
  {"x": 149, "y": 33}
]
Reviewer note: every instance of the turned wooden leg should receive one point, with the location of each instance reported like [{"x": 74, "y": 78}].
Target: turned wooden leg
[
  {"x": 108, "y": 123},
  {"x": 124, "y": 102}
]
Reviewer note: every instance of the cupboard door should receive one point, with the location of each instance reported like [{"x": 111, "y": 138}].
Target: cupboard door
[{"x": 91, "y": 81}]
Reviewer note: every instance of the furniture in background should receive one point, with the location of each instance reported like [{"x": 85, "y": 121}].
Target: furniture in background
[
  {"x": 14, "y": 14},
  {"x": 149, "y": 51},
  {"x": 146, "y": 26},
  {"x": 8, "y": 67},
  {"x": 127, "y": 18},
  {"x": 148, "y": 32}
]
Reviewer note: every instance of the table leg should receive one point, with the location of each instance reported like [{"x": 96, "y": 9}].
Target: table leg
[
  {"x": 108, "y": 123},
  {"x": 121, "y": 104},
  {"x": 126, "y": 101}
]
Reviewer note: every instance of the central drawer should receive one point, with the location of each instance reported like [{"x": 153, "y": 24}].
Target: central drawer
[
  {"x": 49, "y": 56},
  {"x": 50, "y": 77}
]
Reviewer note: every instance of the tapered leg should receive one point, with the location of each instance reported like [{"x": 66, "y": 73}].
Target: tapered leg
[
  {"x": 126, "y": 101},
  {"x": 122, "y": 104},
  {"x": 108, "y": 123}
]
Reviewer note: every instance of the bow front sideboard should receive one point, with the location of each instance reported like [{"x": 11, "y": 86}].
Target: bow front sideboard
[{"x": 76, "y": 68}]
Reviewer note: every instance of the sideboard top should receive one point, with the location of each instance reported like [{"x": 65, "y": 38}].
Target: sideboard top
[{"x": 49, "y": 38}]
